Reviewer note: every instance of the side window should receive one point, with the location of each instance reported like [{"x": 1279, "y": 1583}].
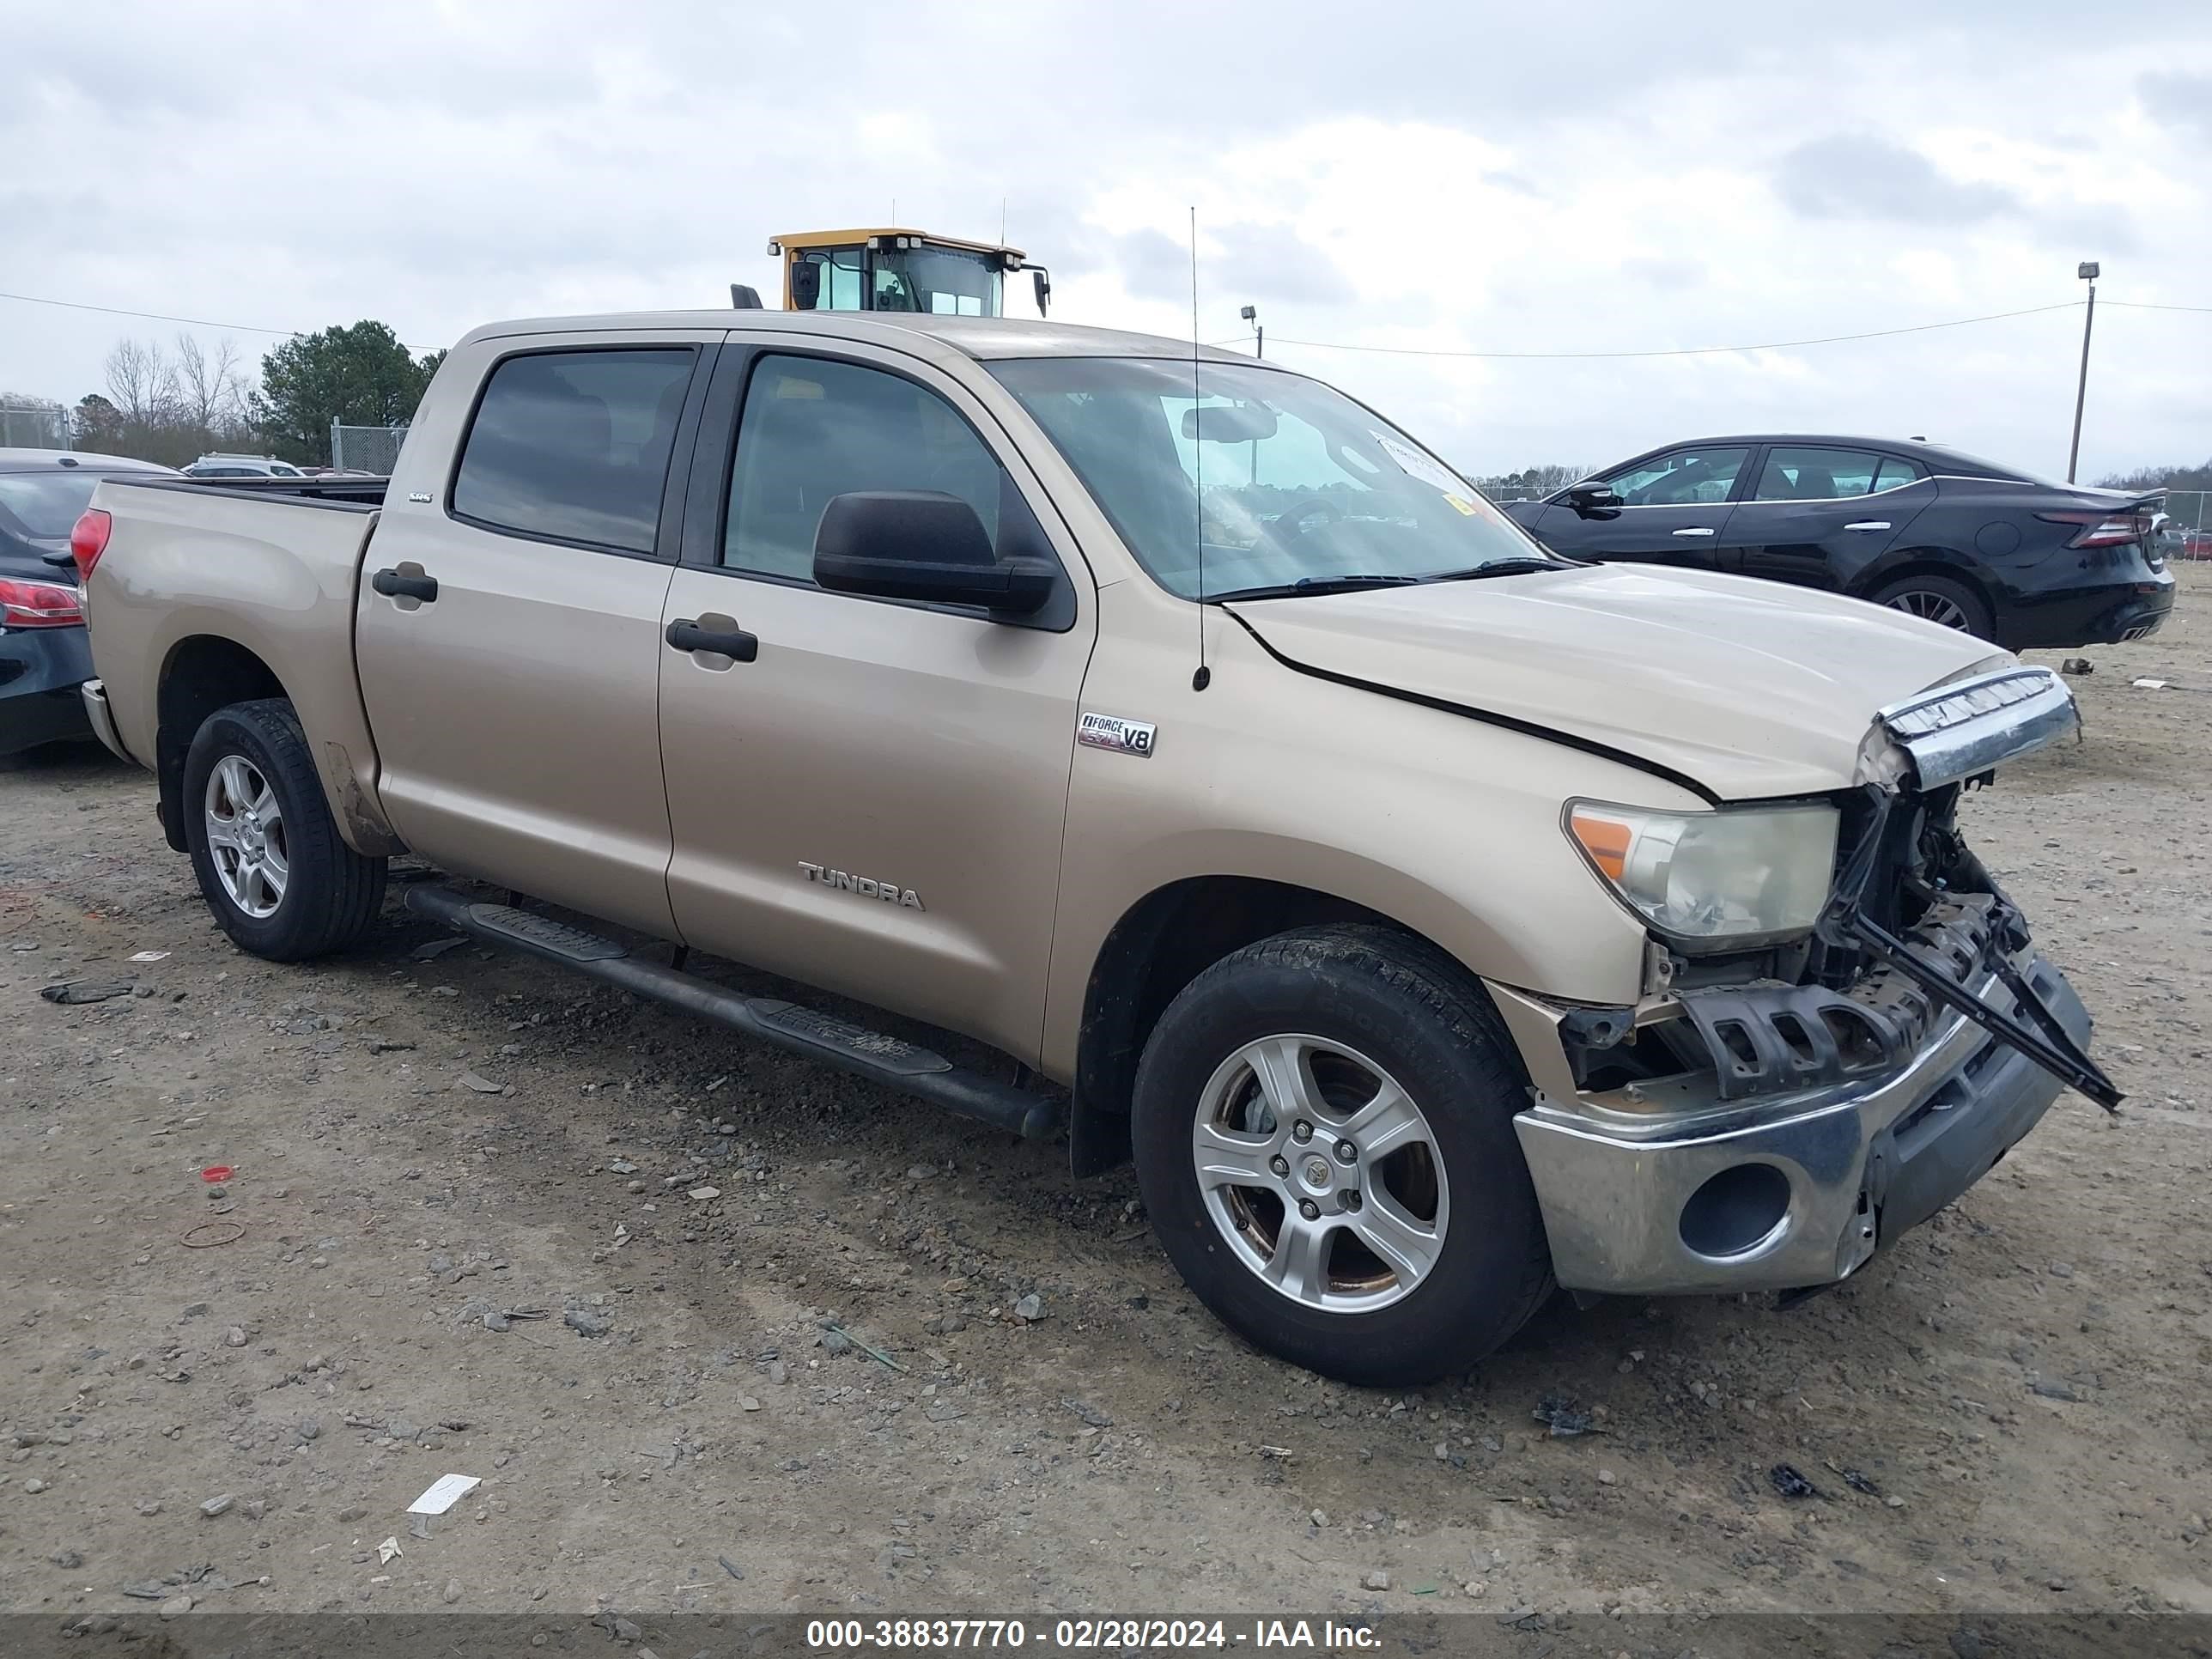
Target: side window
[
  {"x": 813, "y": 429},
  {"x": 1895, "y": 472},
  {"x": 574, "y": 446},
  {"x": 1797, "y": 473},
  {"x": 1680, "y": 479}
]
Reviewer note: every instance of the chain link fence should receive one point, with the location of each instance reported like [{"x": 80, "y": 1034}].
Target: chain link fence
[
  {"x": 366, "y": 448},
  {"x": 2190, "y": 509},
  {"x": 32, "y": 424}
]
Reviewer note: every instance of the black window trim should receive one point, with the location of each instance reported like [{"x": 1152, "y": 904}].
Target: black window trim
[
  {"x": 668, "y": 534},
  {"x": 713, "y": 471}
]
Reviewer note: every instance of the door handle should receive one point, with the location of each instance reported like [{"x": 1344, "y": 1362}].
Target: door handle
[
  {"x": 395, "y": 585},
  {"x": 735, "y": 642},
  {"x": 1696, "y": 530},
  {"x": 1868, "y": 523}
]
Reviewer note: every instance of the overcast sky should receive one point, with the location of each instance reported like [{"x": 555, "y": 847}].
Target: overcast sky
[{"x": 1595, "y": 176}]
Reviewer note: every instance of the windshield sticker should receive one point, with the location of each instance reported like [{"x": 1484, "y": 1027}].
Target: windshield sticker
[
  {"x": 1463, "y": 504},
  {"x": 1414, "y": 465}
]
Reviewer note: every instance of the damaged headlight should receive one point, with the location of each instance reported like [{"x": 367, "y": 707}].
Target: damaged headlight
[{"x": 1738, "y": 877}]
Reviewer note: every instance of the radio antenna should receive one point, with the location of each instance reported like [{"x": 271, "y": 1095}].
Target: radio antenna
[{"x": 1203, "y": 676}]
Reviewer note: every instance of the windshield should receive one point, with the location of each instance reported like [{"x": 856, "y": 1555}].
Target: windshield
[
  {"x": 46, "y": 504},
  {"x": 1285, "y": 480},
  {"x": 940, "y": 280}
]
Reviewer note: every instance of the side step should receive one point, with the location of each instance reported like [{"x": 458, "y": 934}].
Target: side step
[{"x": 890, "y": 1060}]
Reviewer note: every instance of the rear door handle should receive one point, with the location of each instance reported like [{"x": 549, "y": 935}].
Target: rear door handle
[
  {"x": 394, "y": 586},
  {"x": 733, "y": 642},
  {"x": 1868, "y": 523},
  {"x": 1699, "y": 530}
]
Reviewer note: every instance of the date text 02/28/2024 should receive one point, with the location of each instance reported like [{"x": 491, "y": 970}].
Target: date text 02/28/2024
[{"x": 1082, "y": 1635}]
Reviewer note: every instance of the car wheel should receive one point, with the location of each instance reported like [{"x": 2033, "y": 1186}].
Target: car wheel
[
  {"x": 1939, "y": 599},
  {"x": 270, "y": 863},
  {"x": 1323, "y": 1131}
]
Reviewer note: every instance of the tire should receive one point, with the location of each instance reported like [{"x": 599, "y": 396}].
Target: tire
[
  {"x": 1942, "y": 599},
  {"x": 283, "y": 885},
  {"x": 1365, "y": 1009}
]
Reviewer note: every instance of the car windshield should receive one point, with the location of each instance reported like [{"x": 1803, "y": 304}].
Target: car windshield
[
  {"x": 1284, "y": 481},
  {"x": 46, "y": 504}
]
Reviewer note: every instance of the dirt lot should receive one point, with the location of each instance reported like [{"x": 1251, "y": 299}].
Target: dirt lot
[{"x": 2023, "y": 1379}]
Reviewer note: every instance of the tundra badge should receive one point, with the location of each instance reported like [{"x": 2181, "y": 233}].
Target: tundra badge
[
  {"x": 866, "y": 886},
  {"x": 1112, "y": 731}
]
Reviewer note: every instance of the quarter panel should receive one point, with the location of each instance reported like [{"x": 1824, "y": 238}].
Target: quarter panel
[{"x": 274, "y": 576}]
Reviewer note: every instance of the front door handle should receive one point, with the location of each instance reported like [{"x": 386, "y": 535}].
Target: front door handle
[
  {"x": 1695, "y": 530},
  {"x": 733, "y": 642},
  {"x": 1868, "y": 523},
  {"x": 395, "y": 585}
]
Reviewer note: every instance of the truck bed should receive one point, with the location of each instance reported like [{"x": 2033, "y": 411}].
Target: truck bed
[{"x": 351, "y": 492}]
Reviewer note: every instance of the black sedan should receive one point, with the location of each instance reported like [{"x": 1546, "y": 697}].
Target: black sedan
[
  {"x": 1960, "y": 541},
  {"x": 44, "y": 652}
]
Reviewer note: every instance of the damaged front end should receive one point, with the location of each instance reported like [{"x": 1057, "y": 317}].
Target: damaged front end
[{"x": 1767, "y": 1120}]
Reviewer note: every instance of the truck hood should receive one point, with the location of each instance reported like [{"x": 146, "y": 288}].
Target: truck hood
[{"x": 1750, "y": 688}]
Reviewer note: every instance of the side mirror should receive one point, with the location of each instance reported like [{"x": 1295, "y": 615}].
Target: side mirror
[
  {"x": 924, "y": 545},
  {"x": 1041, "y": 284},
  {"x": 744, "y": 297},
  {"x": 806, "y": 283},
  {"x": 1592, "y": 499}
]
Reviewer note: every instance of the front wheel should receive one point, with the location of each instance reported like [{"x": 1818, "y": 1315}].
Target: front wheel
[
  {"x": 1323, "y": 1132},
  {"x": 271, "y": 865}
]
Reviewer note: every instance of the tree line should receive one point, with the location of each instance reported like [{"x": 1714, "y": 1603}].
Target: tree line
[{"x": 173, "y": 404}]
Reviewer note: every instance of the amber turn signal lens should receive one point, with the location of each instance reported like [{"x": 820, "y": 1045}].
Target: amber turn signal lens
[{"x": 1606, "y": 840}]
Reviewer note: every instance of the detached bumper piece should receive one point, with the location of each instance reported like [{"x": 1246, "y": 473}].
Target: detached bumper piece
[{"x": 1799, "y": 1191}]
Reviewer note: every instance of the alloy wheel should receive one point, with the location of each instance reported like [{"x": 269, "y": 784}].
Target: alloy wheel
[
  {"x": 247, "y": 836},
  {"x": 1320, "y": 1173}
]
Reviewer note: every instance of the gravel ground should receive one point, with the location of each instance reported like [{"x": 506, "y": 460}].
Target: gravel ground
[{"x": 806, "y": 1345}]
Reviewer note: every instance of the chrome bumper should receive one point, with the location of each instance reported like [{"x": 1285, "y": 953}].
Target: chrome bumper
[
  {"x": 1851, "y": 1166},
  {"x": 102, "y": 718}
]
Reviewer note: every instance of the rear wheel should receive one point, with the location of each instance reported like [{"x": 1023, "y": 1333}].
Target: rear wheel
[
  {"x": 271, "y": 865},
  {"x": 1939, "y": 599},
  {"x": 1323, "y": 1134}
]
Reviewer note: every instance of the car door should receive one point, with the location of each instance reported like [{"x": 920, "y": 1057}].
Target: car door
[
  {"x": 508, "y": 627},
  {"x": 1675, "y": 509},
  {"x": 866, "y": 795},
  {"x": 1818, "y": 514}
]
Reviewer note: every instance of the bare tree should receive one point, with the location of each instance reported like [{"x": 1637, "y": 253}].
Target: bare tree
[
  {"x": 211, "y": 388},
  {"x": 142, "y": 383}
]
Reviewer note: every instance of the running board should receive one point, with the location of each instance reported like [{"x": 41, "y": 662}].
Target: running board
[{"x": 892, "y": 1062}]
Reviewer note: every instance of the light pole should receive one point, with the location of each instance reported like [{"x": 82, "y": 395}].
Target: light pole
[
  {"x": 1251, "y": 314},
  {"x": 2087, "y": 271}
]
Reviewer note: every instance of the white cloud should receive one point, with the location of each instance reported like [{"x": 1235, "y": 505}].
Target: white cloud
[{"x": 1431, "y": 176}]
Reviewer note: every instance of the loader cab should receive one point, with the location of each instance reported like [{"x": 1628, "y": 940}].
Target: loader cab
[{"x": 896, "y": 269}]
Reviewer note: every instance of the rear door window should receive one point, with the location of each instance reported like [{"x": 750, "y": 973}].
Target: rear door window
[
  {"x": 1799, "y": 472},
  {"x": 574, "y": 446}
]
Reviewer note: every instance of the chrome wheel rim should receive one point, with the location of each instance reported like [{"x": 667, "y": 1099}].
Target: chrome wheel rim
[
  {"x": 1320, "y": 1174},
  {"x": 247, "y": 836},
  {"x": 1929, "y": 607}
]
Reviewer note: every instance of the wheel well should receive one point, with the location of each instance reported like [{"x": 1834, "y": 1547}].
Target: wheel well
[
  {"x": 203, "y": 674},
  {"x": 1165, "y": 941}
]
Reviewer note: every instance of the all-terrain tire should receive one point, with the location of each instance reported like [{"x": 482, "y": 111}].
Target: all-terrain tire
[
  {"x": 1421, "y": 1022},
  {"x": 330, "y": 893}
]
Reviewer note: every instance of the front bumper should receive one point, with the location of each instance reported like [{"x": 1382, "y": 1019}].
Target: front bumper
[{"x": 1789, "y": 1191}]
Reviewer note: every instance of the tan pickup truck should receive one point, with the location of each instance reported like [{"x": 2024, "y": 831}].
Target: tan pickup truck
[{"x": 1435, "y": 921}]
